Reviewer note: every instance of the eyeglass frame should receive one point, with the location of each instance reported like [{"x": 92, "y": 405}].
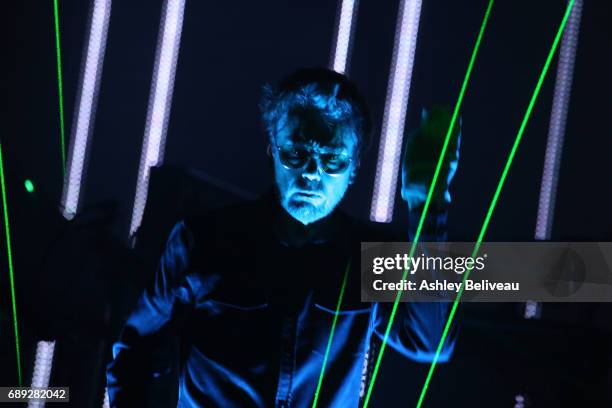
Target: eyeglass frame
[{"x": 312, "y": 150}]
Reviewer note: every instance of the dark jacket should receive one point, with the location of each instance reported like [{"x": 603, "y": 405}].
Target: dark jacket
[{"x": 252, "y": 294}]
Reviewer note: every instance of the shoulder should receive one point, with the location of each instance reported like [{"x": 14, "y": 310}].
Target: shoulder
[{"x": 229, "y": 222}]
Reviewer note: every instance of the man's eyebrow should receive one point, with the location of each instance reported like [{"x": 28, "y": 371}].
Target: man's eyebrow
[
  {"x": 342, "y": 148},
  {"x": 335, "y": 148}
]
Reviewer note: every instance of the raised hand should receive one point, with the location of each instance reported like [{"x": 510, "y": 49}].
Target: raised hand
[{"x": 421, "y": 155}]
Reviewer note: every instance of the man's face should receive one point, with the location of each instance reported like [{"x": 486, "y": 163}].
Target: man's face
[{"x": 313, "y": 165}]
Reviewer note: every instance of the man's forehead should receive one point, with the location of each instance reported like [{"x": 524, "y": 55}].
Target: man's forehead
[{"x": 311, "y": 127}]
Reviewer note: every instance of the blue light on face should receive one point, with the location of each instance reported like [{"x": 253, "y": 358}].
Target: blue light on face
[{"x": 309, "y": 193}]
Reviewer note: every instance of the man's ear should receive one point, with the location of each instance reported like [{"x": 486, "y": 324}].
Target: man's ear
[
  {"x": 353, "y": 176},
  {"x": 269, "y": 150}
]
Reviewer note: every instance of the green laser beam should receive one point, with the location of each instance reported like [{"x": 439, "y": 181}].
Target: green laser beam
[
  {"x": 9, "y": 257},
  {"x": 428, "y": 200},
  {"x": 502, "y": 180},
  {"x": 331, "y": 334},
  {"x": 60, "y": 87}
]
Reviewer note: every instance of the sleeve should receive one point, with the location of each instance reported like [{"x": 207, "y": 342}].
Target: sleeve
[
  {"x": 129, "y": 372},
  {"x": 418, "y": 326}
]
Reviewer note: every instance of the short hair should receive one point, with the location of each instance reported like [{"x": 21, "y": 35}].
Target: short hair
[{"x": 326, "y": 91}]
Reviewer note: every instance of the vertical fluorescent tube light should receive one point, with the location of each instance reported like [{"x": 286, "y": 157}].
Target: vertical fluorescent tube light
[
  {"x": 85, "y": 107},
  {"x": 556, "y": 134},
  {"x": 106, "y": 401},
  {"x": 42, "y": 369},
  {"x": 395, "y": 111},
  {"x": 346, "y": 20},
  {"x": 160, "y": 101},
  {"x": 558, "y": 118}
]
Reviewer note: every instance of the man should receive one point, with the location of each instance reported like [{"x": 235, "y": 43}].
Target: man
[{"x": 252, "y": 289}]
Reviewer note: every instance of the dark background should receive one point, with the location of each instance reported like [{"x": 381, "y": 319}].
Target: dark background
[{"x": 228, "y": 51}]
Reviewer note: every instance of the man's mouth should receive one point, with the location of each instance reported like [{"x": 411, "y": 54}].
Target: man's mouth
[{"x": 312, "y": 195}]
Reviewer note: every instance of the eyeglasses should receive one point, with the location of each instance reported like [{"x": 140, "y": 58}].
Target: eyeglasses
[{"x": 333, "y": 162}]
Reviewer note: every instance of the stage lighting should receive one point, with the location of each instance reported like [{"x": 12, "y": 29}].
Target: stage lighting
[
  {"x": 29, "y": 186},
  {"x": 398, "y": 91},
  {"x": 106, "y": 402},
  {"x": 558, "y": 118},
  {"x": 556, "y": 134},
  {"x": 347, "y": 17},
  {"x": 85, "y": 107},
  {"x": 42, "y": 368},
  {"x": 532, "y": 310},
  {"x": 160, "y": 101}
]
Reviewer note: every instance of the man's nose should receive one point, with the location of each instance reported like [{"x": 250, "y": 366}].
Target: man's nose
[{"x": 312, "y": 170}]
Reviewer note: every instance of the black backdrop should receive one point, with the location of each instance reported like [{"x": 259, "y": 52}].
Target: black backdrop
[{"x": 230, "y": 49}]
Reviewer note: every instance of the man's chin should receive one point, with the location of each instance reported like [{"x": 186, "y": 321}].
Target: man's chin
[{"x": 306, "y": 212}]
